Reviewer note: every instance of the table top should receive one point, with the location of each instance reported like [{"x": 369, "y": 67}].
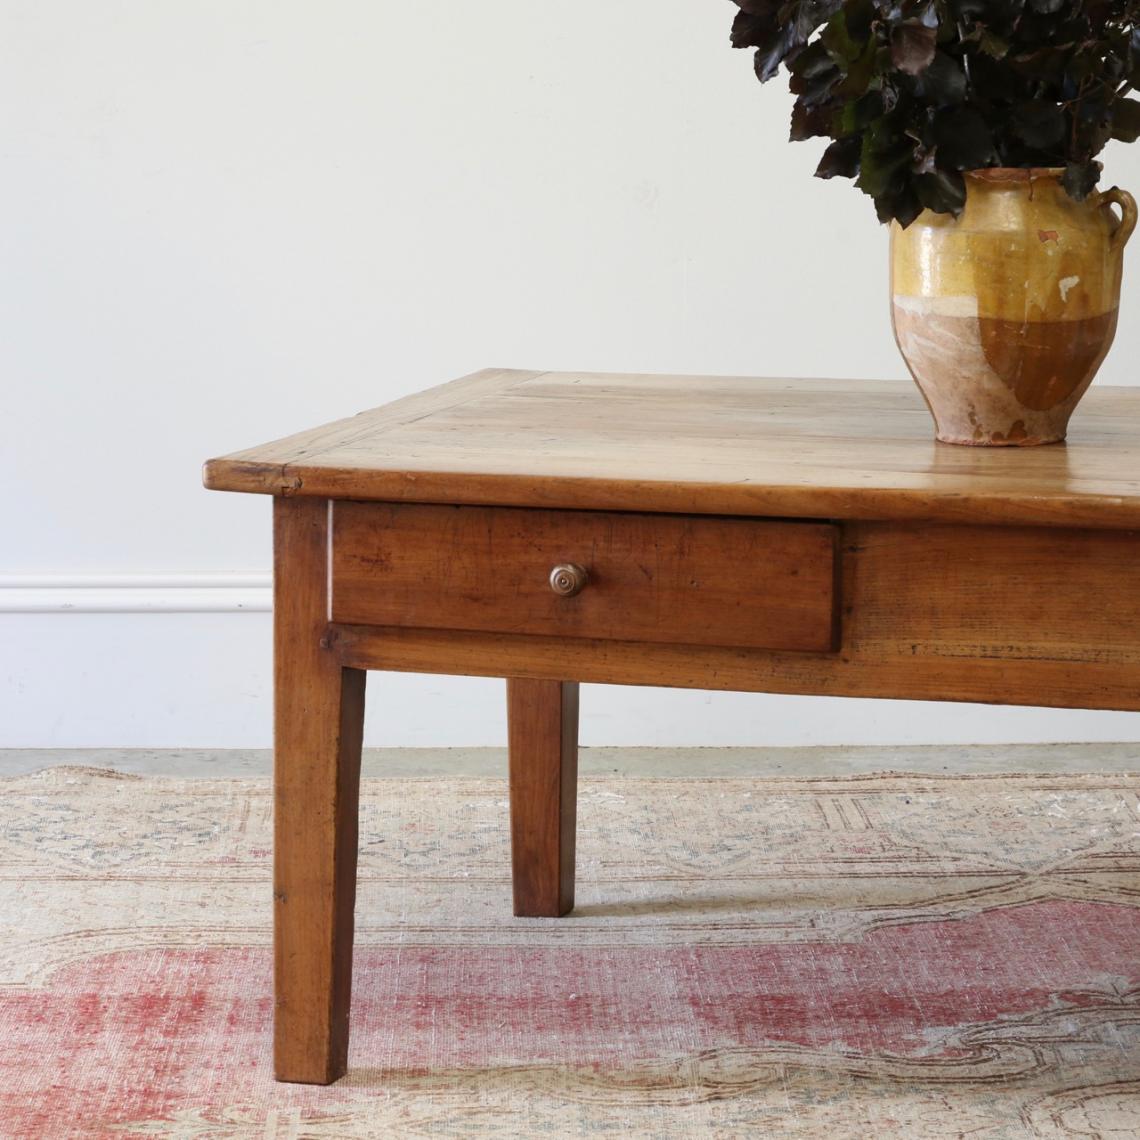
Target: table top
[{"x": 853, "y": 449}]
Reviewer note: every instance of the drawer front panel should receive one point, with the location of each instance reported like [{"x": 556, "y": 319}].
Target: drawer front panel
[{"x": 679, "y": 579}]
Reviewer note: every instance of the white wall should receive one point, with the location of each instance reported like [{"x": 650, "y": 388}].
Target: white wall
[{"x": 225, "y": 220}]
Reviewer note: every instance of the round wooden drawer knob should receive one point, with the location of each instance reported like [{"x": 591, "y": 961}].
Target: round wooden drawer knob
[{"x": 567, "y": 579}]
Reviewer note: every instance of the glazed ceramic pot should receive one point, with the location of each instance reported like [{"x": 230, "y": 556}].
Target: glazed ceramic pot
[{"x": 1004, "y": 314}]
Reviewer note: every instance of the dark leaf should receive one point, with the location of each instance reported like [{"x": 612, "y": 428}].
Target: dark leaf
[
  {"x": 999, "y": 15},
  {"x": 1114, "y": 68},
  {"x": 900, "y": 203},
  {"x": 1091, "y": 140},
  {"x": 861, "y": 71},
  {"x": 841, "y": 159},
  {"x": 810, "y": 15},
  {"x": 859, "y": 15},
  {"x": 840, "y": 40},
  {"x": 751, "y": 29},
  {"x": 928, "y": 15},
  {"x": 1083, "y": 64},
  {"x": 1126, "y": 120},
  {"x": 855, "y": 117},
  {"x": 883, "y": 158},
  {"x": 993, "y": 82},
  {"x": 964, "y": 139},
  {"x": 912, "y": 93},
  {"x": 1080, "y": 179},
  {"x": 924, "y": 160},
  {"x": 964, "y": 10},
  {"x": 1093, "y": 108},
  {"x": 912, "y": 46},
  {"x": 1046, "y": 62},
  {"x": 812, "y": 62},
  {"x": 773, "y": 52},
  {"x": 1039, "y": 124},
  {"x": 810, "y": 121},
  {"x": 943, "y": 191},
  {"x": 813, "y": 74},
  {"x": 910, "y": 11},
  {"x": 943, "y": 82},
  {"x": 994, "y": 46}
]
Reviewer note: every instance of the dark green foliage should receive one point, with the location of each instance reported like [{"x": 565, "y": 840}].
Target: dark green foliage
[{"x": 913, "y": 92}]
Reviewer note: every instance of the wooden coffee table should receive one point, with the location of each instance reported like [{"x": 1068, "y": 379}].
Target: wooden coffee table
[{"x": 787, "y": 536}]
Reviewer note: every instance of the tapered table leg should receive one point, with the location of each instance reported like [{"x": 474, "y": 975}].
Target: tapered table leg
[
  {"x": 542, "y": 718},
  {"x": 319, "y": 716}
]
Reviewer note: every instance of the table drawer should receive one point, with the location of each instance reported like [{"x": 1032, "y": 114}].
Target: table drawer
[{"x": 680, "y": 579}]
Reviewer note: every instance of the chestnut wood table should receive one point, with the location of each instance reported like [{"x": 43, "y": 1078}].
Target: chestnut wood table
[{"x": 790, "y": 536}]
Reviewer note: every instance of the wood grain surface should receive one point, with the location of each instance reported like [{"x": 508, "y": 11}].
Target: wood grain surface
[
  {"x": 1029, "y": 616},
  {"x": 542, "y": 720},
  {"x": 319, "y": 721},
  {"x": 676, "y": 578},
  {"x": 704, "y": 445}
]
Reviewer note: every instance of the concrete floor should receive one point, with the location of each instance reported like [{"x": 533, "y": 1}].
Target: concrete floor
[{"x": 708, "y": 762}]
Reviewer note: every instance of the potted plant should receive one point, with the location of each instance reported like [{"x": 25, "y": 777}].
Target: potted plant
[{"x": 975, "y": 125}]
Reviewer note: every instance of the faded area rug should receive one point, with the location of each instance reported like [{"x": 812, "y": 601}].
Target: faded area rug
[{"x": 872, "y": 956}]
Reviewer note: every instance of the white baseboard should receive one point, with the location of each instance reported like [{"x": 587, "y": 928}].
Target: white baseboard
[{"x": 135, "y": 593}]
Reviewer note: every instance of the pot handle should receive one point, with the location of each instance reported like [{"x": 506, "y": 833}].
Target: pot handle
[{"x": 1127, "y": 205}]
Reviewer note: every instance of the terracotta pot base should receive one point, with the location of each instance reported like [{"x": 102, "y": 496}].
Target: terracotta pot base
[
  {"x": 1028, "y": 441},
  {"x": 994, "y": 384}
]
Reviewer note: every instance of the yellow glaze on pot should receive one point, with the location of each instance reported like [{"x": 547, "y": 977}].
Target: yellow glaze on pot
[{"x": 1004, "y": 314}]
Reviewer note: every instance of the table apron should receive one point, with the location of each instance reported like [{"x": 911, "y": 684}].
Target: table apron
[{"x": 1031, "y": 616}]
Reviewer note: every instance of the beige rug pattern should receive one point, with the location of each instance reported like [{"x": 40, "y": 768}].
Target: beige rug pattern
[{"x": 888, "y": 955}]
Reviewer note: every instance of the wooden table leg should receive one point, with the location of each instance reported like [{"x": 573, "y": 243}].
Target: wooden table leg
[
  {"x": 542, "y": 720},
  {"x": 319, "y": 722}
]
